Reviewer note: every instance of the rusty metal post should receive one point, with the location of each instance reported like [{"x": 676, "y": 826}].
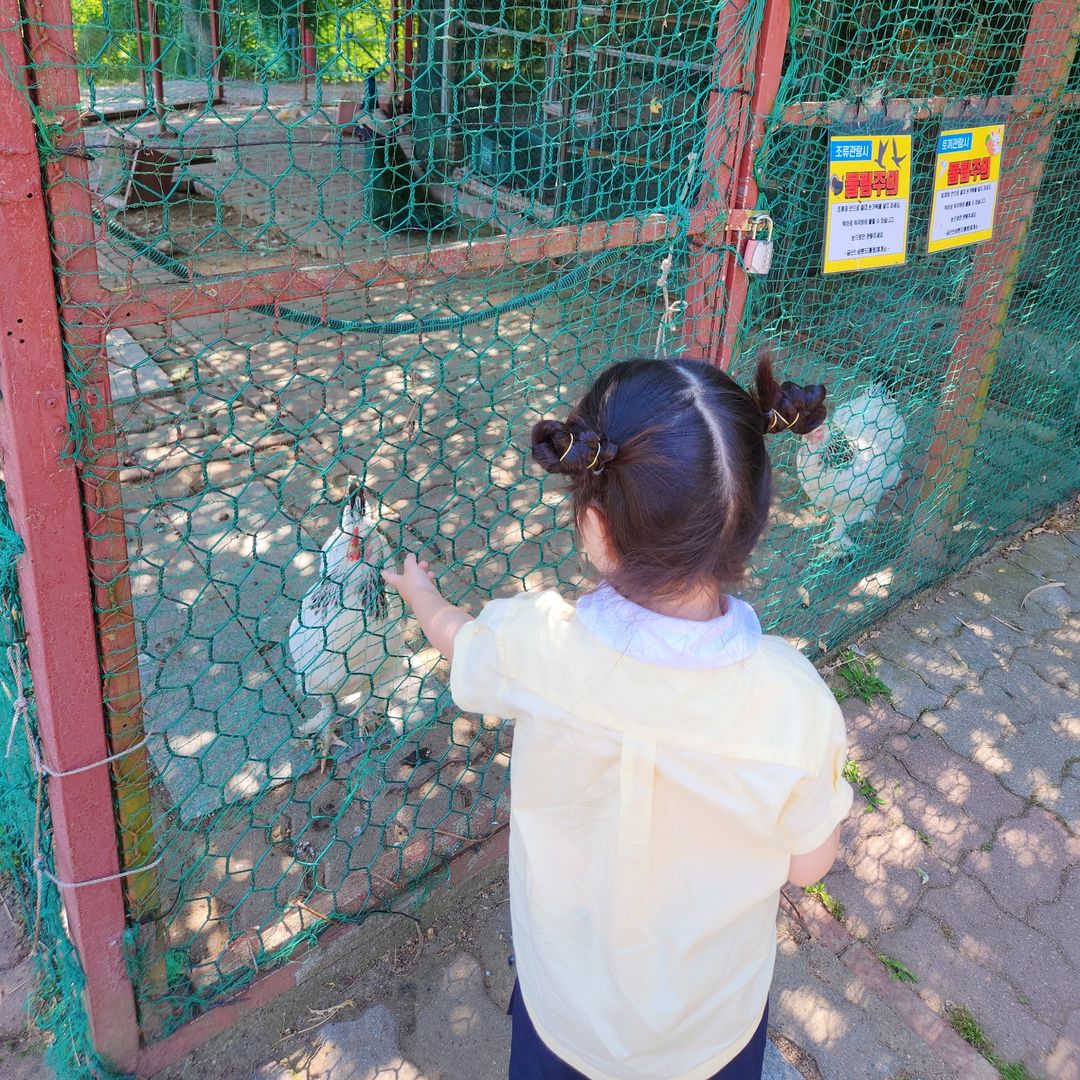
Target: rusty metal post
[
  {"x": 217, "y": 93},
  {"x": 716, "y": 296},
  {"x": 54, "y": 578},
  {"x": 408, "y": 57},
  {"x": 1049, "y": 51},
  {"x": 768, "y": 66},
  {"x": 136, "y": 12},
  {"x": 723, "y": 141},
  {"x": 156, "y": 74},
  {"x": 308, "y": 59}
]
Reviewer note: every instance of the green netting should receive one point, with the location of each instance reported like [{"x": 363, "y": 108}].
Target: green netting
[
  {"x": 304, "y": 763},
  {"x": 54, "y": 1003}
]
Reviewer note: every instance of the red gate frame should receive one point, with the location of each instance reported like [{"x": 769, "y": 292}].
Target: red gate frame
[
  {"x": 718, "y": 284},
  {"x": 54, "y": 573},
  {"x": 64, "y": 626}
]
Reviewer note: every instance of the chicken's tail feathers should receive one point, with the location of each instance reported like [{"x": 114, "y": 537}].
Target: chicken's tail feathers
[{"x": 355, "y": 496}]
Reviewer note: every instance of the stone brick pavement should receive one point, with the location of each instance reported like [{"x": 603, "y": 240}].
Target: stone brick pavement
[{"x": 969, "y": 872}]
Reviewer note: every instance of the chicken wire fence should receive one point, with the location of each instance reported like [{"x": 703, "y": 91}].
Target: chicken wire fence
[{"x": 320, "y": 268}]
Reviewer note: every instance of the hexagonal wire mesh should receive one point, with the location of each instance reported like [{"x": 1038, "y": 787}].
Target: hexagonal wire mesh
[{"x": 322, "y": 270}]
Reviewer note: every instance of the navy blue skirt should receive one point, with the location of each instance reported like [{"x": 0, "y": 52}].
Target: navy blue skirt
[{"x": 530, "y": 1058}]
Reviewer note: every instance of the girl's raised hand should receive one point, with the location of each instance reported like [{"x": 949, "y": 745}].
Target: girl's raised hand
[
  {"x": 414, "y": 579},
  {"x": 439, "y": 620}
]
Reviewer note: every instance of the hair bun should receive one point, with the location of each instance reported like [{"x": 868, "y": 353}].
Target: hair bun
[
  {"x": 787, "y": 406},
  {"x": 570, "y": 448}
]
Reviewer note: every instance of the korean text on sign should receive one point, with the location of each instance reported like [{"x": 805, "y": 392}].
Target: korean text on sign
[
  {"x": 966, "y": 174},
  {"x": 869, "y": 189}
]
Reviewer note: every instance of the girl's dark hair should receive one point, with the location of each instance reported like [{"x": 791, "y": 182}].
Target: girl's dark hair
[{"x": 671, "y": 452}]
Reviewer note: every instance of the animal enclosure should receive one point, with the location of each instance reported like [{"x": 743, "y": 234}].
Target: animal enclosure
[{"x": 317, "y": 271}]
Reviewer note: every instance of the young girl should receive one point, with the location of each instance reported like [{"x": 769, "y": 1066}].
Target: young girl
[{"x": 672, "y": 767}]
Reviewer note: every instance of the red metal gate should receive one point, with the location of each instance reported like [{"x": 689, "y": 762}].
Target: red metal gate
[{"x": 56, "y": 313}]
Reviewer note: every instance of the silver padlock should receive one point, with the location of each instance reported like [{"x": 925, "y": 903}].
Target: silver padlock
[{"x": 757, "y": 255}]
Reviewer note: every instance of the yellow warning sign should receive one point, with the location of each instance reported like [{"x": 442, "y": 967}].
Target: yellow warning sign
[
  {"x": 966, "y": 176},
  {"x": 869, "y": 188}
]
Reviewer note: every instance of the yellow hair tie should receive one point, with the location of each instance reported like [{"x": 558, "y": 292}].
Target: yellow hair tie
[
  {"x": 599, "y": 447},
  {"x": 568, "y": 449},
  {"x": 776, "y": 416}
]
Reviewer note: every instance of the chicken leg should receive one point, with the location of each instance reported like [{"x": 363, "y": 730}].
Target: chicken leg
[{"x": 319, "y": 721}]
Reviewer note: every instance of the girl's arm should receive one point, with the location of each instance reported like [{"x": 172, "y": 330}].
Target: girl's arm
[
  {"x": 438, "y": 618},
  {"x": 807, "y": 869}
]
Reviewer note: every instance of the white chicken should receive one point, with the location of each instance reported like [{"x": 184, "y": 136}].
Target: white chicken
[
  {"x": 848, "y": 464},
  {"x": 347, "y": 644}
]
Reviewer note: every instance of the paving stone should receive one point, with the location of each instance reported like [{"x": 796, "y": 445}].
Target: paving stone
[
  {"x": 928, "y": 621},
  {"x": 849, "y": 1032},
  {"x": 362, "y": 1049},
  {"x": 936, "y": 667},
  {"x": 868, "y": 726},
  {"x": 1068, "y": 803},
  {"x": 23, "y": 1064},
  {"x": 1047, "y": 553},
  {"x": 1056, "y": 600},
  {"x": 981, "y": 646},
  {"x": 876, "y": 881},
  {"x": 911, "y": 696},
  {"x": 1001, "y": 586},
  {"x": 777, "y": 1067},
  {"x": 1053, "y": 663},
  {"x": 1035, "y": 690},
  {"x": 894, "y": 641},
  {"x": 947, "y": 977},
  {"x": 946, "y": 830},
  {"x": 1060, "y": 920},
  {"x": 1015, "y": 725},
  {"x": 1026, "y": 862},
  {"x": 982, "y": 932},
  {"x": 1029, "y": 769},
  {"x": 963, "y": 784},
  {"x": 1063, "y": 1062}
]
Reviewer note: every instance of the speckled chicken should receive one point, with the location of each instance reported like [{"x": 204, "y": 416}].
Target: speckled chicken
[
  {"x": 847, "y": 465},
  {"x": 347, "y": 644}
]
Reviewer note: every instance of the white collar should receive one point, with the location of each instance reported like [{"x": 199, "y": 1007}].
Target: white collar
[{"x": 665, "y": 640}]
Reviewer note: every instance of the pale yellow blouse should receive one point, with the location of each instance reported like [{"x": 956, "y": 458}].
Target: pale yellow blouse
[{"x": 653, "y": 813}]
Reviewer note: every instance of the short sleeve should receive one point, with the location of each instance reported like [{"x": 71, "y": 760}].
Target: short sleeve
[
  {"x": 479, "y": 679},
  {"x": 818, "y": 803}
]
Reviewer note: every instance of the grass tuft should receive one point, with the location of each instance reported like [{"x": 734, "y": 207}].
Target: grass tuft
[{"x": 858, "y": 679}]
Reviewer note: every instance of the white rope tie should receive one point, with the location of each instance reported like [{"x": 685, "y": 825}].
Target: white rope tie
[
  {"x": 43, "y": 872},
  {"x": 21, "y": 706},
  {"x": 95, "y": 764},
  {"x": 673, "y": 309},
  {"x": 19, "y": 709}
]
